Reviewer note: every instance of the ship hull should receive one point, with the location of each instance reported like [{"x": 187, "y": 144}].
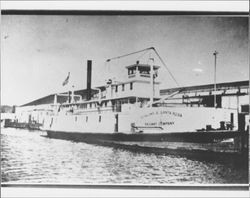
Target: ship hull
[
  {"x": 158, "y": 124},
  {"x": 158, "y": 120},
  {"x": 195, "y": 137}
]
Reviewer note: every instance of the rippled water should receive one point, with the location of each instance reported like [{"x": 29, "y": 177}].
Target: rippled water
[{"x": 29, "y": 157}]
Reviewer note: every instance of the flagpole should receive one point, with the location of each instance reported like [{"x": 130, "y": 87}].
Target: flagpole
[
  {"x": 65, "y": 84},
  {"x": 215, "y": 58}
]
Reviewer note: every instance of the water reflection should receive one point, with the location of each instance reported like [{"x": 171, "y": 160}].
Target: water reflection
[{"x": 28, "y": 157}]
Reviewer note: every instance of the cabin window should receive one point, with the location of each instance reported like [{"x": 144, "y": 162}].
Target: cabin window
[
  {"x": 75, "y": 118},
  {"x": 90, "y": 105},
  {"x": 245, "y": 108},
  {"x": 116, "y": 88},
  {"x": 86, "y": 118},
  {"x": 123, "y": 87},
  {"x": 131, "y": 86},
  {"x": 100, "y": 118}
]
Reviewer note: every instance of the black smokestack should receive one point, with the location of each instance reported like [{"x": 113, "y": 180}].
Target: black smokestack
[{"x": 89, "y": 68}]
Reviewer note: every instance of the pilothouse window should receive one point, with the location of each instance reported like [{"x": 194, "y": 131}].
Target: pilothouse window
[
  {"x": 131, "y": 86},
  {"x": 123, "y": 86}
]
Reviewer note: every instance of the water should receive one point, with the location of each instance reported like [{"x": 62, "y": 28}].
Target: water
[{"x": 29, "y": 157}]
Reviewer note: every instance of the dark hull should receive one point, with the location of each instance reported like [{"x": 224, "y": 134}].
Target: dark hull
[
  {"x": 205, "y": 146},
  {"x": 195, "y": 137}
]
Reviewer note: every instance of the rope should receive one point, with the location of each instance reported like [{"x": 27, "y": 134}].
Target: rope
[
  {"x": 117, "y": 57},
  {"x": 166, "y": 67}
]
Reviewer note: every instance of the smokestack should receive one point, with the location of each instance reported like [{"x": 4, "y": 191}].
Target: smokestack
[{"x": 89, "y": 68}]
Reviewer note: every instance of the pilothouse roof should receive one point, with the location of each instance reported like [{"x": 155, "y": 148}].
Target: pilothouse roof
[{"x": 143, "y": 66}]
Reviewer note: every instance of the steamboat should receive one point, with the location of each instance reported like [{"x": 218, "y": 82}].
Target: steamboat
[{"x": 133, "y": 110}]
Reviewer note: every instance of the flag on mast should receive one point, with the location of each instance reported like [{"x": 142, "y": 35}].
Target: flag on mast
[{"x": 65, "y": 82}]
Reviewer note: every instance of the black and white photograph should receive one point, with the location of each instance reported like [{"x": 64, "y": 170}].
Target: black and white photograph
[{"x": 119, "y": 98}]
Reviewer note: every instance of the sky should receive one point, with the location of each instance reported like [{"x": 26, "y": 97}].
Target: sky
[{"x": 38, "y": 51}]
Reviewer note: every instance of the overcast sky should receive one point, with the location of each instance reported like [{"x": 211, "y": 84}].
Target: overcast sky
[{"x": 37, "y": 52}]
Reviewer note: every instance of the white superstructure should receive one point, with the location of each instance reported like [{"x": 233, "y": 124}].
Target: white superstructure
[{"x": 135, "y": 106}]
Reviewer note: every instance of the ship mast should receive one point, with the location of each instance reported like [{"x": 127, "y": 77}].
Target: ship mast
[
  {"x": 151, "y": 62},
  {"x": 215, "y": 58}
]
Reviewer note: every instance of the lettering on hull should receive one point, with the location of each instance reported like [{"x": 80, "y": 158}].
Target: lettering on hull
[
  {"x": 158, "y": 124},
  {"x": 176, "y": 114}
]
